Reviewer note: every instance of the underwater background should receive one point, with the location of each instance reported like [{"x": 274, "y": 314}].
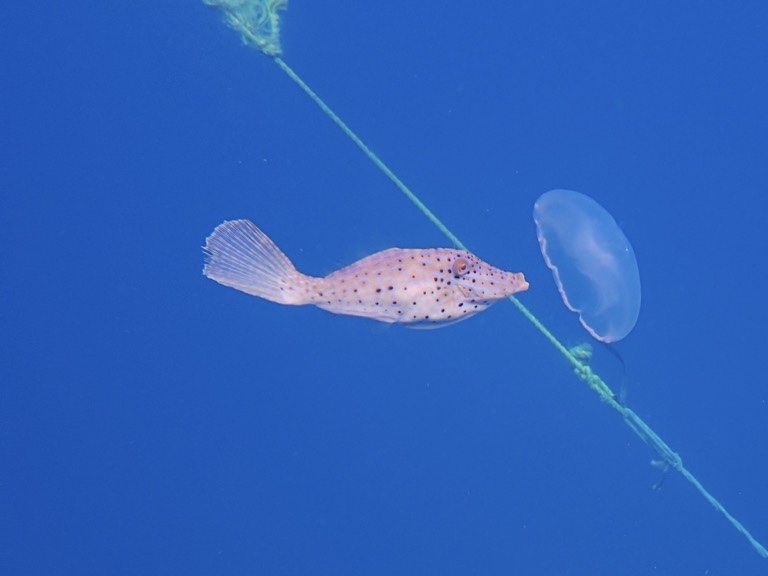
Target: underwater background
[{"x": 154, "y": 422}]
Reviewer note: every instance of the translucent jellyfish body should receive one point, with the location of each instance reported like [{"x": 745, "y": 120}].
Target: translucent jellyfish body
[{"x": 593, "y": 263}]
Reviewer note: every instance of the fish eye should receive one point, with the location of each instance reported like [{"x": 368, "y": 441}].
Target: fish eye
[{"x": 460, "y": 267}]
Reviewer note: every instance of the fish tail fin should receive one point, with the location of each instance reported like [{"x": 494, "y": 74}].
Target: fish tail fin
[{"x": 241, "y": 256}]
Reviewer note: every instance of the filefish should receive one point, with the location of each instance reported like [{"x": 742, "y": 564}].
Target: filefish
[{"x": 419, "y": 288}]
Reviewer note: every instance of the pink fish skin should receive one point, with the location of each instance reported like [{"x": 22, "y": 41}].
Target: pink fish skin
[{"x": 419, "y": 288}]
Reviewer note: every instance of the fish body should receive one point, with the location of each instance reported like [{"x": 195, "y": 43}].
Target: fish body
[{"x": 421, "y": 288}]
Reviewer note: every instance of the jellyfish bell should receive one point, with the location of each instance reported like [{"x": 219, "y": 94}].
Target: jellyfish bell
[{"x": 593, "y": 263}]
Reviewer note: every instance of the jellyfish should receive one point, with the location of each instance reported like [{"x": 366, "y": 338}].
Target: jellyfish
[{"x": 593, "y": 263}]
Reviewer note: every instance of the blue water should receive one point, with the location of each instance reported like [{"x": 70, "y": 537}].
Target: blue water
[{"x": 154, "y": 422}]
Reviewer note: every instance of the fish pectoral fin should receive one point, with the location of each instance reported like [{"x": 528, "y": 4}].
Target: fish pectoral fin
[{"x": 466, "y": 291}]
